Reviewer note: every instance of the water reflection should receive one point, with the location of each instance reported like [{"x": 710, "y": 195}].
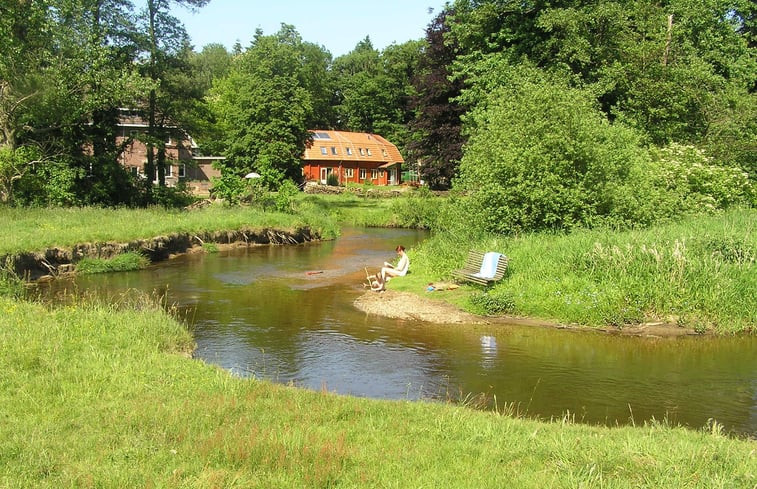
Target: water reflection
[{"x": 285, "y": 314}]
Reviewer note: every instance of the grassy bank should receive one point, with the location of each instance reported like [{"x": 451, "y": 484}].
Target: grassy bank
[
  {"x": 698, "y": 273},
  {"x": 33, "y": 229},
  {"x": 103, "y": 396}
]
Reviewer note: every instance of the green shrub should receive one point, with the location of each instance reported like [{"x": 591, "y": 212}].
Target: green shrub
[
  {"x": 419, "y": 210},
  {"x": 541, "y": 155},
  {"x": 121, "y": 263},
  {"x": 285, "y": 198},
  {"x": 493, "y": 302},
  {"x": 332, "y": 180}
]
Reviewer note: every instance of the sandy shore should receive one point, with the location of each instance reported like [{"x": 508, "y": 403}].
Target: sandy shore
[{"x": 409, "y": 306}]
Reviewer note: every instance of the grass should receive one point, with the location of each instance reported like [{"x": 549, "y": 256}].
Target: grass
[
  {"x": 121, "y": 263},
  {"x": 105, "y": 396},
  {"x": 31, "y": 229},
  {"x": 698, "y": 273}
]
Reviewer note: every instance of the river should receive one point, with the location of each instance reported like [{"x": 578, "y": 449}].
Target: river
[{"x": 285, "y": 314}]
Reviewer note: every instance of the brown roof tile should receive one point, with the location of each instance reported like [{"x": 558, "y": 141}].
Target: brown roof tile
[{"x": 351, "y": 146}]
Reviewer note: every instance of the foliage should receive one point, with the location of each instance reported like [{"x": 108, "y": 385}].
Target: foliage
[
  {"x": 693, "y": 176},
  {"x": 437, "y": 144},
  {"x": 332, "y": 180},
  {"x": 418, "y": 210},
  {"x": 542, "y": 156},
  {"x": 492, "y": 303},
  {"x": 177, "y": 196},
  {"x": 229, "y": 187},
  {"x": 372, "y": 89},
  {"x": 264, "y": 107},
  {"x": 285, "y": 197},
  {"x": 119, "y": 263}
]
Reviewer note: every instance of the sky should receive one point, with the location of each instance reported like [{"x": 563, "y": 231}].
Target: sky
[{"x": 338, "y": 25}]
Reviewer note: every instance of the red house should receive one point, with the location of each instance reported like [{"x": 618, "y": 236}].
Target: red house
[{"x": 354, "y": 157}]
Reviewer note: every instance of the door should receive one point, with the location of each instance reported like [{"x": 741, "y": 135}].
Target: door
[{"x": 325, "y": 172}]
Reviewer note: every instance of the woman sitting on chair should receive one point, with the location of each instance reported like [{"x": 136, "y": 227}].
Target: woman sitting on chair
[{"x": 388, "y": 270}]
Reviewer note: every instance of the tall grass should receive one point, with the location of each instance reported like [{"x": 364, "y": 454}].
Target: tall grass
[
  {"x": 698, "y": 273},
  {"x": 105, "y": 396}
]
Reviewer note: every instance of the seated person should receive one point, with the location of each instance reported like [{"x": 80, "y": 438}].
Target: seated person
[{"x": 400, "y": 270}]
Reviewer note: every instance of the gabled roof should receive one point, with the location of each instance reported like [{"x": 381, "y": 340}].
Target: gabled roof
[{"x": 351, "y": 146}]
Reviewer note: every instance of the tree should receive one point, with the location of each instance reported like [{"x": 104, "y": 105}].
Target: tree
[
  {"x": 264, "y": 107},
  {"x": 437, "y": 140},
  {"x": 165, "y": 38},
  {"x": 24, "y": 48}
]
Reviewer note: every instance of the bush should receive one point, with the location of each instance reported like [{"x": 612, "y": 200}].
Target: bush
[
  {"x": 541, "y": 155},
  {"x": 492, "y": 302},
  {"x": 332, "y": 180},
  {"x": 285, "y": 198}
]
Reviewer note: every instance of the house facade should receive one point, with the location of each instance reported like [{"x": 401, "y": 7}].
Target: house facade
[
  {"x": 352, "y": 157},
  {"x": 181, "y": 162}
]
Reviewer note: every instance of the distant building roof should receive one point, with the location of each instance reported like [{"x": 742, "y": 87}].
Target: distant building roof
[{"x": 351, "y": 146}]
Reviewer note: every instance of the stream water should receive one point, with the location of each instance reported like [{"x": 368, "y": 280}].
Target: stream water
[{"x": 285, "y": 314}]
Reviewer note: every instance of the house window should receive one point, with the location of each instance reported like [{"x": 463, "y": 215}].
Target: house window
[
  {"x": 368, "y": 150},
  {"x": 349, "y": 172},
  {"x": 333, "y": 150},
  {"x": 362, "y": 152},
  {"x": 383, "y": 152},
  {"x": 134, "y": 171},
  {"x": 374, "y": 174},
  {"x": 324, "y": 151},
  {"x": 362, "y": 174},
  {"x": 349, "y": 151},
  {"x": 169, "y": 170},
  {"x": 182, "y": 170}
]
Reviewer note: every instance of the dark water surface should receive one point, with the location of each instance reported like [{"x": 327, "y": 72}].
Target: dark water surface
[{"x": 285, "y": 314}]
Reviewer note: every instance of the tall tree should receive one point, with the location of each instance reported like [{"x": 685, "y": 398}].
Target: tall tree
[
  {"x": 264, "y": 107},
  {"x": 165, "y": 38},
  {"x": 96, "y": 49},
  {"x": 25, "y": 49},
  {"x": 437, "y": 141}
]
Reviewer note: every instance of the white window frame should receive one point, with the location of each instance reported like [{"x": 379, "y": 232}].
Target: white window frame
[
  {"x": 349, "y": 172},
  {"x": 362, "y": 174},
  {"x": 324, "y": 151},
  {"x": 374, "y": 174}
]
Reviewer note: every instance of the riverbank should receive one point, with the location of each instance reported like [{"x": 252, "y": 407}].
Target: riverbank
[
  {"x": 49, "y": 263},
  {"x": 105, "y": 395},
  {"x": 422, "y": 307}
]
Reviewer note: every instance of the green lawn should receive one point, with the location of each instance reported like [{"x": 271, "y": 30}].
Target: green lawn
[{"x": 105, "y": 396}]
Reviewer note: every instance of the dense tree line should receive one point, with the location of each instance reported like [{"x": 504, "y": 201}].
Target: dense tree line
[{"x": 543, "y": 113}]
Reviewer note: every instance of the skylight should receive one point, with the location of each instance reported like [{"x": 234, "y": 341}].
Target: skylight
[{"x": 321, "y": 135}]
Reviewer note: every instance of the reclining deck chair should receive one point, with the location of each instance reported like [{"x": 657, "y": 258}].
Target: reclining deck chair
[{"x": 482, "y": 268}]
